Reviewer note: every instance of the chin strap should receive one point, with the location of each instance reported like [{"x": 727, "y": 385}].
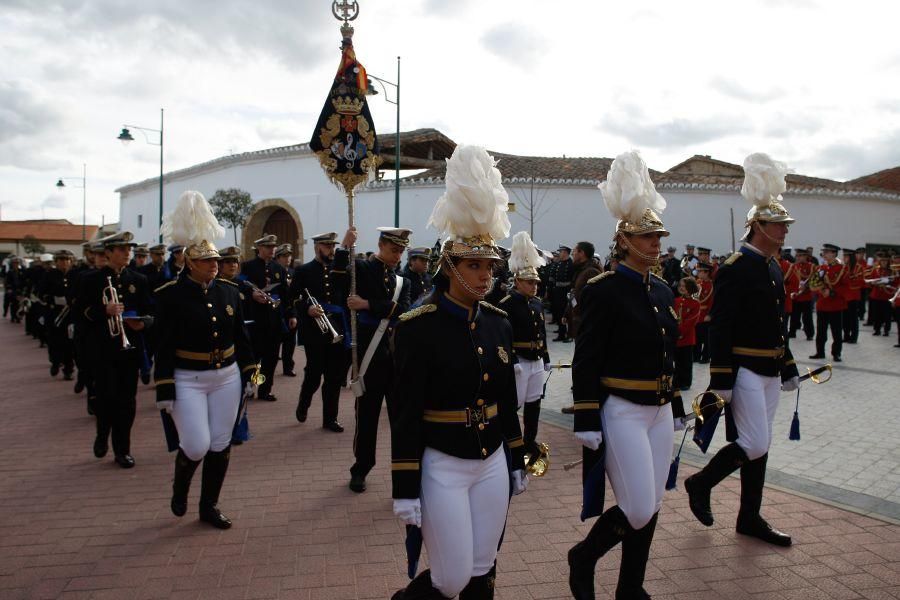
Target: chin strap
[
  {"x": 462, "y": 282},
  {"x": 645, "y": 257}
]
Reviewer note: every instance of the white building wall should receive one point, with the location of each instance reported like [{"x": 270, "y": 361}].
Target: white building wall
[{"x": 575, "y": 212}]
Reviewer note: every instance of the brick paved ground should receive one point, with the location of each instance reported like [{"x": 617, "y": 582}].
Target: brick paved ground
[{"x": 72, "y": 526}]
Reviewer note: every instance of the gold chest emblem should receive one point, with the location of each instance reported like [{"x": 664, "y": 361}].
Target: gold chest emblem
[
  {"x": 241, "y": 295},
  {"x": 672, "y": 311},
  {"x": 501, "y": 352},
  {"x": 229, "y": 310},
  {"x": 277, "y": 275},
  {"x": 132, "y": 289}
]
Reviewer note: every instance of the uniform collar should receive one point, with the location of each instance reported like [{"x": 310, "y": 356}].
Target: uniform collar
[
  {"x": 458, "y": 308},
  {"x": 751, "y": 251},
  {"x": 197, "y": 284},
  {"x": 631, "y": 273}
]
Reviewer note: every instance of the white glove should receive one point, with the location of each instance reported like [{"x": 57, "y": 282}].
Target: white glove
[
  {"x": 249, "y": 389},
  {"x": 517, "y": 369},
  {"x": 590, "y": 439},
  {"x": 40, "y": 320},
  {"x": 519, "y": 481},
  {"x": 547, "y": 367},
  {"x": 409, "y": 511},
  {"x": 165, "y": 405},
  {"x": 679, "y": 425},
  {"x": 791, "y": 384},
  {"x": 726, "y": 394}
]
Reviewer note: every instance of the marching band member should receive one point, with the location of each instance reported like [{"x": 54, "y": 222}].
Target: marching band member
[
  {"x": 284, "y": 256},
  {"x": 802, "y": 305},
  {"x": 687, "y": 309},
  {"x": 55, "y": 295},
  {"x": 320, "y": 291},
  {"x": 416, "y": 270},
  {"x": 268, "y": 277},
  {"x": 895, "y": 298},
  {"x": 111, "y": 343},
  {"x": 203, "y": 359},
  {"x": 856, "y": 273},
  {"x": 880, "y": 296},
  {"x": 750, "y": 363},
  {"x": 705, "y": 297},
  {"x": 622, "y": 373},
  {"x": 830, "y": 304},
  {"x": 455, "y": 401},
  {"x": 381, "y": 297},
  {"x": 531, "y": 358},
  {"x": 153, "y": 270}
]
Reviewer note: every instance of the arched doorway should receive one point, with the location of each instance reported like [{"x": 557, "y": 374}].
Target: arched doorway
[{"x": 277, "y": 217}]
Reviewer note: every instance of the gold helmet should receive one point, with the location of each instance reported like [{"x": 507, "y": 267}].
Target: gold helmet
[
  {"x": 763, "y": 185},
  {"x": 631, "y": 197},
  {"x": 193, "y": 225}
]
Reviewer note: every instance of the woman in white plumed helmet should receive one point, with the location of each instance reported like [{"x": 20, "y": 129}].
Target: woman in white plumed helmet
[
  {"x": 203, "y": 357},
  {"x": 456, "y": 443},
  {"x": 622, "y": 375}
]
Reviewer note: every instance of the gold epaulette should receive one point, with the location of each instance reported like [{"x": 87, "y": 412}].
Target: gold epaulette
[
  {"x": 733, "y": 258},
  {"x": 597, "y": 278},
  {"x": 421, "y": 310},
  {"x": 228, "y": 281},
  {"x": 165, "y": 285},
  {"x": 657, "y": 276},
  {"x": 490, "y": 306},
  {"x": 505, "y": 298}
]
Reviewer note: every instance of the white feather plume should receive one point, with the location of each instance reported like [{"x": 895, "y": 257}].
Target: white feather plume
[
  {"x": 475, "y": 202},
  {"x": 524, "y": 253},
  {"x": 628, "y": 190},
  {"x": 191, "y": 222},
  {"x": 763, "y": 179}
]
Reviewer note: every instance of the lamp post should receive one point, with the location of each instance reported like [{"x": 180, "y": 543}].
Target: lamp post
[
  {"x": 61, "y": 184},
  {"x": 396, "y": 87},
  {"x": 125, "y": 137}
]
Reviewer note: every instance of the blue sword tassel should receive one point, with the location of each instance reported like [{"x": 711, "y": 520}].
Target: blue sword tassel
[
  {"x": 795, "y": 422},
  {"x": 673, "y": 468}
]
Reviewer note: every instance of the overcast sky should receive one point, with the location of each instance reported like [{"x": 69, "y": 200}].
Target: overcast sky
[{"x": 815, "y": 83}]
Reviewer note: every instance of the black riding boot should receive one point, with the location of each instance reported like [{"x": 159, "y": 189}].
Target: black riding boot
[
  {"x": 530, "y": 415},
  {"x": 184, "y": 472},
  {"x": 419, "y": 588},
  {"x": 635, "y": 554},
  {"x": 480, "y": 587},
  {"x": 700, "y": 485},
  {"x": 610, "y": 529},
  {"x": 215, "y": 465},
  {"x": 749, "y": 522}
]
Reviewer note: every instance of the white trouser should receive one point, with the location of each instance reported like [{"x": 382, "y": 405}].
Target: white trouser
[
  {"x": 754, "y": 400},
  {"x": 205, "y": 409},
  {"x": 464, "y": 505},
  {"x": 638, "y": 452},
  {"x": 529, "y": 380}
]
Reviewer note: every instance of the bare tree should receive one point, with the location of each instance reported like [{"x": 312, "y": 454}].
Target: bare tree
[{"x": 533, "y": 201}]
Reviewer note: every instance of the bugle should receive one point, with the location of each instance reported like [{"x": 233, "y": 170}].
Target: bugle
[
  {"x": 325, "y": 326},
  {"x": 114, "y": 323}
]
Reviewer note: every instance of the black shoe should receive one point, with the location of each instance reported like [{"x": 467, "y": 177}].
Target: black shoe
[
  {"x": 300, "y": 413},
  {"x": 267, "y": 397},
  {"x": 876, "y": 333},
  {"x": 896, "y": 345},
  {"x": 54, "y": 370},
  {"x": 289, "y": 374},
  {"x": 145, "y": 378},
  {"x": 849, "y": 341},
  {"x": 567, "y": 340},
  {"x": 101, "y": 447},
  {"x": 698, "y": 498},
  {"x": 334, "y": 426},
  {"x": 126, "y": 461},
  {"x": 79, "y": 387},
  {"x": 607, "y": 532},
  {"x": 67, "y": 376},
  {"x": 817, "y": 356},
  {"x": 757, "y": 527},
  {"x": 836, "y": 359},
  {"x": 357, "y": 483},
  {"x": 214, "y": 516}
]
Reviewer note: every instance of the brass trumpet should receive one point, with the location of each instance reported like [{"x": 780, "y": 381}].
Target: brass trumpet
[
  {"x": 269, "y": 299},
  {"x": 322, "y": 321},
  {"x": 538, "y": 465},
  {"x": 115, "y": 324}
]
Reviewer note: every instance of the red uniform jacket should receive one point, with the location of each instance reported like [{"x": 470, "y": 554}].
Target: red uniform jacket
[
  {"x": 705, "y": 298},
  {"x": 855, "y": 277},
  {"x": 880, "y": 292},
  {"x": 791, "y": 284},
  {"x": 688, "y": 311},
  {"x": 832, "y": 296},
  {"x": 803, "y": 271}
]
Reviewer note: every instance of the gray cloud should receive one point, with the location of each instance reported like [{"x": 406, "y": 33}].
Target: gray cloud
[
  {"x": 28, "y": 124},
  {"x": 852, "y": 159},
  {"x": 734, "y": 89},
  {"x": 514, "y": 43},
  {"x": 631, "y": 124},
  {"x": 801, "y": 123},
  {"x": 54, "y": 201}
]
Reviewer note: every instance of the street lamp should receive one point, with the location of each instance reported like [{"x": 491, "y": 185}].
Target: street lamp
[
  {"x": 61, "y": 184},
  {"x": 125, "y": 137},
  {"x": 396, "y": 87}
]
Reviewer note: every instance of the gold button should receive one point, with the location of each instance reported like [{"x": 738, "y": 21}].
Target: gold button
[
  {"x": 664, "y": 354},
  {"x": 655, "y": 309},
  {"x": 480, "y": 350},
  {"x": 215, "y": 334},
  {"x": 663, "y": 329},
  {"x": 484, "y": 451},
  {"x": 218, "y": 365},
  {"x": 480, "y": 402},
  {"x": 481, "y": 426},
  {"x": 208, "y": 305},
  {"x": 214, "y": 318},
  {"x": 485, "y": 376}
]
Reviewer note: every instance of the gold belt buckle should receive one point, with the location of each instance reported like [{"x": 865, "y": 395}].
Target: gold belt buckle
[
  {"x": 664, "y": 384},
  {"x": 215, "y": 356},
  {"x": 474, "y": 416}
]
